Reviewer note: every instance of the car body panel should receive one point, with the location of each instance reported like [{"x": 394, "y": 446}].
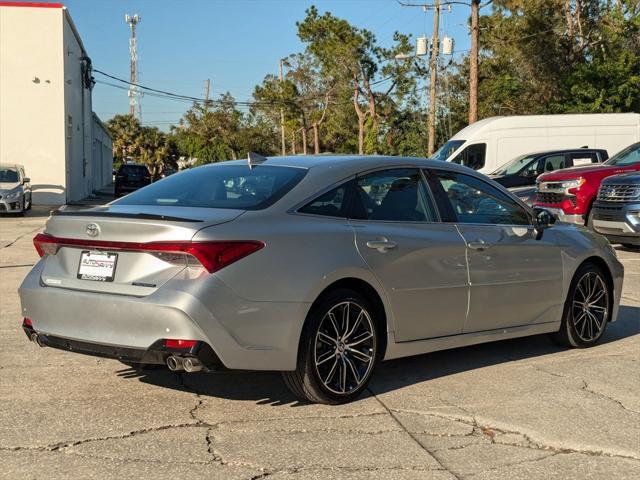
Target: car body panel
[
  {"x": 252, "y": 311},
  {"x": 617, "y": 209}
]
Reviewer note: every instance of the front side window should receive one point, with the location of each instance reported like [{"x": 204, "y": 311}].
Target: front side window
[
  {"x": 219, "y": 186},
  {"x": 475, "y": 201},
  {"x": 393, "y": 195},
  {"x": 330, "y": 204},
  {"x": 473, "y": 156}
]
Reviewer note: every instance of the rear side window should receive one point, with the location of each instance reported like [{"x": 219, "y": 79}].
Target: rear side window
[
  {"x": 551, "y": 163},
  {"x": 584, "y": 158},
  {"x": 393, "y": 195},
  {"x": 219, "y": 186},
  {"x": 330, "y": 204}
]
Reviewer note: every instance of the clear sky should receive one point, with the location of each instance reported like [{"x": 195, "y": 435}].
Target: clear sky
[{"x": 235, "y": 43}]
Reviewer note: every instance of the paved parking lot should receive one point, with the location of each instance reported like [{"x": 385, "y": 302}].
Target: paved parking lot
[{"x": 517, "y": 409}]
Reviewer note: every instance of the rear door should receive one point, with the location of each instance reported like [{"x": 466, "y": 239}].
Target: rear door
[
  {"x": 419, "y": 261},
  {"x": 515, "y": 278}
]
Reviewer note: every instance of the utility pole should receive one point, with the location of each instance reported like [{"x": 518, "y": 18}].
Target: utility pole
[
  {"x": 207, "y": 87},
  {"x": 282, "y": 135},
  {"x": 135, "y": 109},
  {"x": 473, "y": 62},
  {"x": 433, "y": 66}
]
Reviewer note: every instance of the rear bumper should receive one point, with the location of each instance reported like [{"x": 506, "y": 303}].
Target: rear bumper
[
  {"x": 242, "y": 334},
  {"x": 156, "y": 354}
]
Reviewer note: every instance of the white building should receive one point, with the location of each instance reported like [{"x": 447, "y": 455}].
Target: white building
[{"x": 46, "y": 120}]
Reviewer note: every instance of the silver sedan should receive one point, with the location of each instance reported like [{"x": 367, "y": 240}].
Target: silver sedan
[{"x": 318, "y": 267}]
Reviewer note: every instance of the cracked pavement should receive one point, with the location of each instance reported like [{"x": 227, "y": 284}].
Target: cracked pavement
[{"x": 520, "y": 409}]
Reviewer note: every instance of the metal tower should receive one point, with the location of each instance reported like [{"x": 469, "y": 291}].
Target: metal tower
[{"x": 135, "y": 94}]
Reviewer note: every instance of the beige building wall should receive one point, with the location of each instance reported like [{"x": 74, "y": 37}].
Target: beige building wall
[
  {"x": 32, "y": 130},
  {"x": 46, "y": 118}
]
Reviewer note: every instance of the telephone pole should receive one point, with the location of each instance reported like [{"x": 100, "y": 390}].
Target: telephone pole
[
  {"x": 473, "y": 62},
  {"x": 433, "y": 66},
  {"x": 207, "y": 87},
  {"x": 282, "y": 136},
  {"x": 135, "y": 109}
]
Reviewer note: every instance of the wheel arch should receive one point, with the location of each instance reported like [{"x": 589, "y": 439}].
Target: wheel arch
[
  {"x": 602, "y": 264},
  {"x": 367, "y": 290}
]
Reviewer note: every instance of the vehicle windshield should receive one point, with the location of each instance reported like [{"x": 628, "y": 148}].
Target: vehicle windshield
[
  {"x": 219, "y": 186},
  {"x": 133, "y": 170},
  {"x": 9, "y": 175},
  {"x": 446, "y": 150},
  {"x": 514, "y": 166},
  {"x": 628, "y": 156}
]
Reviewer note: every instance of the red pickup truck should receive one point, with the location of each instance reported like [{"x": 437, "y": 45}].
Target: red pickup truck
[{"x": 570, "y": 193}]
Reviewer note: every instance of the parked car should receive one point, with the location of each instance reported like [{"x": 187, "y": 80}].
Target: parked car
[
  {"x": 570, "y": 193},
  {"x": 15, "y": 189},
  {"x": 317, "y": 267},
  {"x": 487, "y": 144},
  {"x": 130, "y": 177},
  {"x": 523, "y": 170},
  {"x": 616, "y": 211}
]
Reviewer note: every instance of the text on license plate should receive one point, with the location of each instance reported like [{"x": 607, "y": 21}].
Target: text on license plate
[{"x": 97, "y": 266}]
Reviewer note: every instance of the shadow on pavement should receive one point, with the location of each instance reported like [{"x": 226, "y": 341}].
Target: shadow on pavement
[{"x": 267, "y": 388}]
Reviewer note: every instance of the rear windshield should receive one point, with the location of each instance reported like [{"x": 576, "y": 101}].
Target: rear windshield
[{"x": 219, "y": 186}]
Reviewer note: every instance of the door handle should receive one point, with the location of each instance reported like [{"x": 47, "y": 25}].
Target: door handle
[
  {"x": 479, "y": 245},
  {"x": 382, "y": 244}
]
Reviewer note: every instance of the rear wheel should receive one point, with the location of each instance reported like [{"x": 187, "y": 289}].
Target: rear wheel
[
  {"x": 587, "y": 308},
  {"x": 338, "y": 350}
]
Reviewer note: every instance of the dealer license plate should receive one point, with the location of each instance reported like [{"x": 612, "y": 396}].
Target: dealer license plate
[{"x": 97, "y": 266}]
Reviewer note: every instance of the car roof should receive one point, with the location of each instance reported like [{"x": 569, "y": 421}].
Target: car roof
[
  {"x": 563, "y": 150},
  {"x": 349, "y": 162},
  {"x": 10, "y": 165}
]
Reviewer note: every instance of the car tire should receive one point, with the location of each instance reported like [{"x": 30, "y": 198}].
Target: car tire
[
  {"x": 23, "y": 209},
  {"x": 587, "y": 309},
  {"x": 338, "y": 349},
  {"x": 30, "y": 203}
]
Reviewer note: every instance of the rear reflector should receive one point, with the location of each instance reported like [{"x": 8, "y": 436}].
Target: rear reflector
[
  {"x": 212, "y": 255},
  {"x": 27, "y": 322},
  {"x": 171, "y": 343}
]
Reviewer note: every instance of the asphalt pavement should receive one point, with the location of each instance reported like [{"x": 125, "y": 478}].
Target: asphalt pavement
[{"x": 518, "y": 409}]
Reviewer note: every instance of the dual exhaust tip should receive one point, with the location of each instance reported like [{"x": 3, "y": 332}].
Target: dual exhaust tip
[
  {"x": 175, "y": 364},
  {"x": 188, "y": 364}
]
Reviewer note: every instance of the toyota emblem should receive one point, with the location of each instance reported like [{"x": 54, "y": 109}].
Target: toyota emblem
[{"x": 93, "y": 230}]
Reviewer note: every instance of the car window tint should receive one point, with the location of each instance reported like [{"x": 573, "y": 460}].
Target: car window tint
[
  {"x": 394, "y": 195},
  {"x": 8, "y": 175},
  {"x": 475, "y": 201},
  {"x": 583, "y": 158},
  {"x": 330, "y": 204},
  {"x": 473, "y": 156},
  {"x": 219, "y": 186},
  {"x": 553, "y": 162}
]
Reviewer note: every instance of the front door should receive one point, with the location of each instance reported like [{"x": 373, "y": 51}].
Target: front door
[
  {"x": 419, "y": 261},
  {"x": 515, "y": 278}
]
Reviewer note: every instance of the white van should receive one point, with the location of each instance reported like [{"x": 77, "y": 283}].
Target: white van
[{"x": 492, "y": 142}]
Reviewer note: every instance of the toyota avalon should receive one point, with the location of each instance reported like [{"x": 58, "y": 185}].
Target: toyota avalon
[{"x": 316, "y": 266}]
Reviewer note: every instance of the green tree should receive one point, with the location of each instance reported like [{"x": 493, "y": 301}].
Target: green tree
[{"x": 125, "y": 134}]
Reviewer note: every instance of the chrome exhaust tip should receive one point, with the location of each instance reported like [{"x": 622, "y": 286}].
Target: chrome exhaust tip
[
  {"x": 35, "y": 338},
  {"x": 175, "y": 364},
  {"x": 191, "y": 365}
]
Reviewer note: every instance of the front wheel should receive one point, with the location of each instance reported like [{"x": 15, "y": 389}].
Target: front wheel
[
  {"x": 338, "y": 350},
  {"x": 587, "y": 308}
]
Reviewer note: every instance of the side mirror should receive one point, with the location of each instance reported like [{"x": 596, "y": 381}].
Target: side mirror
[
  {"x": 542, "y": 220},
  {"x": 26, "y": 180}
]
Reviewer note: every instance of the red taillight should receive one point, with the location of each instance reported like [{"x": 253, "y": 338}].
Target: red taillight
[
  {"x": 27, "y": 322},
  {"x": 212, "y": 255},
  {"x": 171, "y": 343}
]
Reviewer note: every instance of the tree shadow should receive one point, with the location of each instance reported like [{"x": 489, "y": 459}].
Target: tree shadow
[{"x": 267, "y": 388}]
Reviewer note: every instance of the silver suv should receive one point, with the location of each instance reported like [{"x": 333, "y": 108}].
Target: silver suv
[{"x": 15, "y": 189}]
